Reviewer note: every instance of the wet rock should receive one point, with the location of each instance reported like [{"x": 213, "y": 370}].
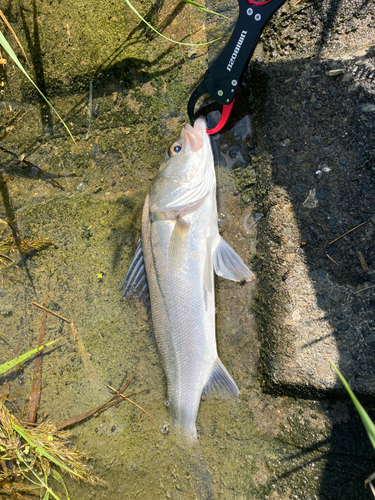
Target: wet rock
[{"x": 368, "y": 108}]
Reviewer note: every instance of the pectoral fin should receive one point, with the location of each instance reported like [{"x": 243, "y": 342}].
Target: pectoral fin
[
  {"x": 177, "y": 251},
  {"x": 135, "y": 281},
  {"x": 221, "y": 383},
  {"x": 228, "y": 264}
]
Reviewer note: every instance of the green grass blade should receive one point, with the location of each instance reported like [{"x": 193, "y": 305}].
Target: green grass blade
[
  {"x": 56, "y": 475},
  {"x": 46, "y": 496},
  {"x": 8, "y": 48},
  {"x": 39, "y": 479},
  {"x": 45, "y": 485},
  {"x": 204, "y": 8},
  {"x": 366, "y": 420},
  {"x": 42, "y": 451},
  {"x": 14, "y": 362},
  {"x": 163, "y": 36}
]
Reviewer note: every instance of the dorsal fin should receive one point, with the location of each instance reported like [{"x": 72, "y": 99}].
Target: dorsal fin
[
  {"x": 135, "y": 281},
  {"x": 220, "y": 383}
]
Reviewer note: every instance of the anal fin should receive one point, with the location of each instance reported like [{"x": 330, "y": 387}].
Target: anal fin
[{"x": 220, "y": 383}]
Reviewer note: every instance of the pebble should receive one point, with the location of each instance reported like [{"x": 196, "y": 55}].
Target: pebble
[
  {"x": 343, "y": 327},
  {"x": 5, "y": 310},
  {"x": 321, "y": 194},
  {"x": 368, "y": 108},
  {"x": 311, "y": 200},
  {"x": 356, "y": 308},
  {"x": 335, "y": 72},
  {"x": 352, "y": 88}
]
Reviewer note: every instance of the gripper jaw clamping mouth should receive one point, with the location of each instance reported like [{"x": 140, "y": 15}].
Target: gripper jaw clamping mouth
[{"x": 224, "y": 77}]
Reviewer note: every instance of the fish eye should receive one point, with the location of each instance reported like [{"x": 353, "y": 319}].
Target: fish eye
[{"x": 174, "y": 149}]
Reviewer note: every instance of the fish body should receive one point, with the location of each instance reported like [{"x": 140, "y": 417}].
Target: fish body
[{"x": 179, "y": 249}]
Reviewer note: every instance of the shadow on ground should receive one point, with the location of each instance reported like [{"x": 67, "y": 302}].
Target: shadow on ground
[{"x": 315, "y": 162}]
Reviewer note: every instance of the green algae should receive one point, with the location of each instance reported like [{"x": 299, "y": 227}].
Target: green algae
[{"x": 94, "y": 230}]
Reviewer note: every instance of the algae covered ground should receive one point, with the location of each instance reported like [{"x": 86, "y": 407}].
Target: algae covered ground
[{"x": 123, "y": 93}]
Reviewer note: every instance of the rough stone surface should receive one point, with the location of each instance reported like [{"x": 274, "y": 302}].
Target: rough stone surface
[{"x": 316, "y": 173}]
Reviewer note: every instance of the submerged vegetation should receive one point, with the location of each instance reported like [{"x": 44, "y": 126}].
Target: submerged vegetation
[
  {"x": 30, "y": 452},
  {"x": 27, "y": 455},
  {"x": 14, "y": 362},
  {"x": 170, "y": 39},
  {"x": 7, "y": 47}
]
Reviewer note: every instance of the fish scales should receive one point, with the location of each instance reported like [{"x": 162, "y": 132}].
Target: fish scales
[{"x": 181, "y": 246}]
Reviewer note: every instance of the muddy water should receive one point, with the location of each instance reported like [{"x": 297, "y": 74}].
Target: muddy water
[{"x": 87, "y": 199}]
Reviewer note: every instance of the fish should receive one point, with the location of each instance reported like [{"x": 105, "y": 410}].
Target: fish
[{"x": 176, "y": 256}]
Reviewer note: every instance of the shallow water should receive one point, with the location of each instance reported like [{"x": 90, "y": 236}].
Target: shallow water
[
  {"x": 94, "y": 230},
  {"x": 87, "y": 198}
]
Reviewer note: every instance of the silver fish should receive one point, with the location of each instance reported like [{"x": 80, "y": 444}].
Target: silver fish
[{"x": 179, "y": 249}]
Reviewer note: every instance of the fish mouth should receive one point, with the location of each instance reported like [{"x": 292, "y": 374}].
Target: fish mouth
[
  {"x": 174, "y": 195},
  {"x": 194, "y": 136}
]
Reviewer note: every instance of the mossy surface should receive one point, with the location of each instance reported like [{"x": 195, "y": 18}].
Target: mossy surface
[{"x": 123, "y": 94}]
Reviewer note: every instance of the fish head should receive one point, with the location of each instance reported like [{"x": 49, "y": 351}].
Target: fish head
[{"x": 187, "y": 174}]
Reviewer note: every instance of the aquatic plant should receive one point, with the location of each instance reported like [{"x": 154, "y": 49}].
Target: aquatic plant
[
  {"x": 16, "y": 361},
  {"x": 29, "y": 454},
  {"x": 366, "y": 420},
  {"x": 202, "y": 7},
  {"x": 170, "y": 39}
]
